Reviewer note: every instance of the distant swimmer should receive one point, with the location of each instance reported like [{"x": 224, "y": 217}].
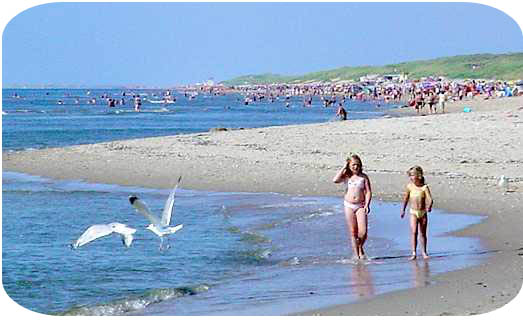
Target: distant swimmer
[
  {"x": 307, "y": 102},
  {"x": 341, "y": 113},
  {"x": 137, "y": 103}
]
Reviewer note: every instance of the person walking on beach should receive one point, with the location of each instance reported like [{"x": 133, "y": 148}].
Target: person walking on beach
[
  {"x": 356, "y": 202},
  {"x": 417, "y": 193}
]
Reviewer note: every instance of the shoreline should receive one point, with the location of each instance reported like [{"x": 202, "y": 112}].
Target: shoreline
[{"x": 461, "y": 162}]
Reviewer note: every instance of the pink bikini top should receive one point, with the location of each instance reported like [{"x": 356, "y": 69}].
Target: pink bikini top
[{"x": 360, "y": 183}]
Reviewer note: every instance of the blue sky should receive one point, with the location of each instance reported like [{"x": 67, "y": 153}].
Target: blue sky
[{"x": 166, "y": 44}]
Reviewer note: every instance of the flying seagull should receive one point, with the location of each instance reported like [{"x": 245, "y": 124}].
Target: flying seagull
[
  {"x": 96, "y": 231},
  {"x": 160, "y": 227}
]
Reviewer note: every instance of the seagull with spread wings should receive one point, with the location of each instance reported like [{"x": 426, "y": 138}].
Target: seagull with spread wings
[
  {"x": 97, "y": 231},
  {"x": 160, "y": 227}
]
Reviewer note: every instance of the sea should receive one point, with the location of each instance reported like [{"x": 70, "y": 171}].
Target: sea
[{"x": 238, "y": 254}]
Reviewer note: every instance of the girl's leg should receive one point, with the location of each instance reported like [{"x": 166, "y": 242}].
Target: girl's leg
[
  {"x": 413, "y": 235},
  {"x": 350, "y": 217},
  {"x": 361, "y": 219},
  {"x": 423, "y": 234}
]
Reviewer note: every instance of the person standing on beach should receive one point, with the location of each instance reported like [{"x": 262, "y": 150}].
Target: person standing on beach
[
  {"x": 442, "y": 99},
  {"x": 356, "y": 202},
  {"x": 417, "y": 193},
  {"x": 431, "y": 100},
  {"x": 418, "y": 102}
]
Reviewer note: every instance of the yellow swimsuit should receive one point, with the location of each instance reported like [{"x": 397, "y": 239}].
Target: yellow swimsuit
[{"x": 417, "y": 193}]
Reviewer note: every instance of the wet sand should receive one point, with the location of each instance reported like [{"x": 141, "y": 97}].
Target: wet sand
[{"x": 463, "y": 154}]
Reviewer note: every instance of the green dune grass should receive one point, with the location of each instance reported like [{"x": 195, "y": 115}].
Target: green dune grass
[{"x": 478, "y": 66}]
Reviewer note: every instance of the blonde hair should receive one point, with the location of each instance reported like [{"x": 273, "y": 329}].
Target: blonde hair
[
  {"x": 417, "y": 171},
  {"x": 351, "y": 157}
]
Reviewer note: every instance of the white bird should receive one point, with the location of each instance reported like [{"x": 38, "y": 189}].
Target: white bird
[
  {"x": 503, "y": 183},
  {"x": 96, "y": 231},
  {"x": 159, "y": 227}
]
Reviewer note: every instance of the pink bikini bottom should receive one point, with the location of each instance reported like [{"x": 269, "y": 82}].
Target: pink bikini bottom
[{"x": 353, "y": 206}]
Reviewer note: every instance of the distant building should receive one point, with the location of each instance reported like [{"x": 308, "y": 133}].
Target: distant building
[
  {"x": 376, "y": 78},
  {"x": 369, "y": 78}
]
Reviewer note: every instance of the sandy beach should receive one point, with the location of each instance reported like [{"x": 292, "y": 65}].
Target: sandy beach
[{"x": 463, "y": 155}]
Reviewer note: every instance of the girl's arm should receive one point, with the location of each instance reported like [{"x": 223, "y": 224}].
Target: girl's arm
[
  {"x": 428, "y": 200},
  {"x": 406, "y": 197},
  {"x": 340, "y": 176},
  {"x": 368, "y": 195}
]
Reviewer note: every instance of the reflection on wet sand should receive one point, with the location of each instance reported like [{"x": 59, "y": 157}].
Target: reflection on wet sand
[
  {"x": 421, "y": 273},
  {"x": 362, "y": 280}
]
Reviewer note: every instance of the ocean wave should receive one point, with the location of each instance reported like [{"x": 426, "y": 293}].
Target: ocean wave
[
  {"x": 133, "y": 304},
  {"x": 316, "y": 214},
  {"x": 254, "y": 238},
  {"x": 19, "y": 111},
  {"x": 22, "y": 177},
  {"x": 42, "y": 184},
  {"x": 254, "y": 256},
  {"x": 292, "y": 261},
  {"x": 288, "y": 205},
  {"x": 248, "y": 236}
]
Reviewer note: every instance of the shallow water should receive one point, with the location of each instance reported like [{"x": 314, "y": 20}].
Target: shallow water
[
  {"x": 238, "y": 253},
  {"x": 33, "y": 119}
]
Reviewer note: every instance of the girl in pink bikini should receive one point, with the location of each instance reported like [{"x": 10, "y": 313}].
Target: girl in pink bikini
[{"x": 356, "y": 202}]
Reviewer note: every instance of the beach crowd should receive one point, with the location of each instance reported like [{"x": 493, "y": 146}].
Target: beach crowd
[{"x": 429, "y": 94}]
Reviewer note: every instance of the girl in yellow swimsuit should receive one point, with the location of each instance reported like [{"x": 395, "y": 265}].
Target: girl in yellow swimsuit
[{"x": 417, "y": 194}]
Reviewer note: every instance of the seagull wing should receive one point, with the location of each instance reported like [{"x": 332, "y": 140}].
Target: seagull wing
[
  {"x": 92, "y": 233},
  {"x": 172, "y": 230},
  {"x": 169, "y": 206},
  {"x": 125, "y": 231},
  {"x": 127, "y": 239},
  {"x": 142, "y": 208}
]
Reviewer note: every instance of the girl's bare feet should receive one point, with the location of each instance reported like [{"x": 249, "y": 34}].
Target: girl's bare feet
[
  {"x": 412, "y": 257},
  {"x": 426, "y": 256}
]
